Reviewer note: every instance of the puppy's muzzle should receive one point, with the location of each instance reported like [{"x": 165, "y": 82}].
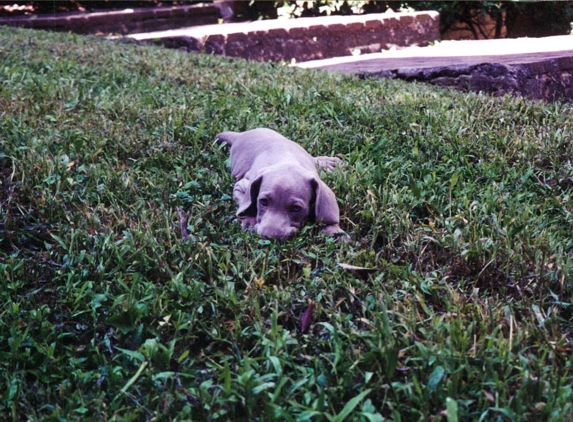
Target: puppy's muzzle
[{"x": 280, "y": 233}]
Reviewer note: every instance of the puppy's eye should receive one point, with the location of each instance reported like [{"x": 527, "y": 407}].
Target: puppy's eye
[
  {"x": 296, "y": 208},
  {"x": 264, "y": 202}
]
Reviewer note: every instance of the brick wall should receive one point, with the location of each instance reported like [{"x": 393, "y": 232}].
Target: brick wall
[{"x": 305, "y": 38}]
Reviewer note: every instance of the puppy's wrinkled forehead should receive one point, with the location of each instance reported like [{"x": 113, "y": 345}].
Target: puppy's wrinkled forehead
[{"x": 287, "y": 186}]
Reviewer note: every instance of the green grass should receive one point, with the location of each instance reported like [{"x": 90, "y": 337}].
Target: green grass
[{"x": 461, "y": 202}]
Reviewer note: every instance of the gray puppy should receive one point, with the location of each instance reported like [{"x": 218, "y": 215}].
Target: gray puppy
[{"x": 278, "y": 187}]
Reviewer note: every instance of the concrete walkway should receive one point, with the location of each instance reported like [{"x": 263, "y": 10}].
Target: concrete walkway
[
  {"x": 538, "y": 68},
  {"x": 452, "y": 53}
]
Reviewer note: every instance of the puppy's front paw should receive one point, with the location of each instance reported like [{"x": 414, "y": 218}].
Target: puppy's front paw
[
  {"x": 328, "y": 163},
  {"x": 336, "y": 231},
  {"x": 247, "y": 223}
]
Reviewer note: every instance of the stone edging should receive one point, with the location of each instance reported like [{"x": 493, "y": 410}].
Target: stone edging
[
  {"x": 547, "y": 80},
  {"x": 305, "y": 38}
]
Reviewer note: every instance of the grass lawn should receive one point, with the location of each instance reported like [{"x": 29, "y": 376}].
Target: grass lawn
[{"x": 459, "y": 203}]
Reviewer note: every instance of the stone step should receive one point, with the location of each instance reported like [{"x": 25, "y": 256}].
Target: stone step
[
  {"x": 304, "y": 39},
  {"x": 451, "y": 53},
  {"x": 540, "y": 68}
]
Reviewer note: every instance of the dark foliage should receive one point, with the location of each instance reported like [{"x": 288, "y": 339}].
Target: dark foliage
[{"x": 532, "y": 19}]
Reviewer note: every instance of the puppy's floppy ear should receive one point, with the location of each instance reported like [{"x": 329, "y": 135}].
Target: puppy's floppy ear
[
  {"x": 326, "y": 210},
  {"x": 248, "y": 205}
]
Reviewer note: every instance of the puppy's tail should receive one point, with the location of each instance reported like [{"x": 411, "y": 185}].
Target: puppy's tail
[{"x": 227, "y": 137}]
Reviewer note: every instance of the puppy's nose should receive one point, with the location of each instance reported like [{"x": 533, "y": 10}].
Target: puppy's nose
[{"x": 278, "y": 234}]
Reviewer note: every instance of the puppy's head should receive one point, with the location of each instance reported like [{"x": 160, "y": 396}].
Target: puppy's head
[{"x": 283, "y": 197}]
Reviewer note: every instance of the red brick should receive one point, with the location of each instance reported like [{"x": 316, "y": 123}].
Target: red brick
[
  {"x": 298, "y": 32},
  {"x": 373, "y": 24},
  {"x": 278, "y": 33}
]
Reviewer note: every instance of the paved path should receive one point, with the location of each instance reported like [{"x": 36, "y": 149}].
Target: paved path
[{"x": 451, "y": 53}]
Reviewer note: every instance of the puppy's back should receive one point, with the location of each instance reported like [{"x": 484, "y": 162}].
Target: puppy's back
[
  {"x": 255, "y": 149},
  {"x": 254, "y": 136}
]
